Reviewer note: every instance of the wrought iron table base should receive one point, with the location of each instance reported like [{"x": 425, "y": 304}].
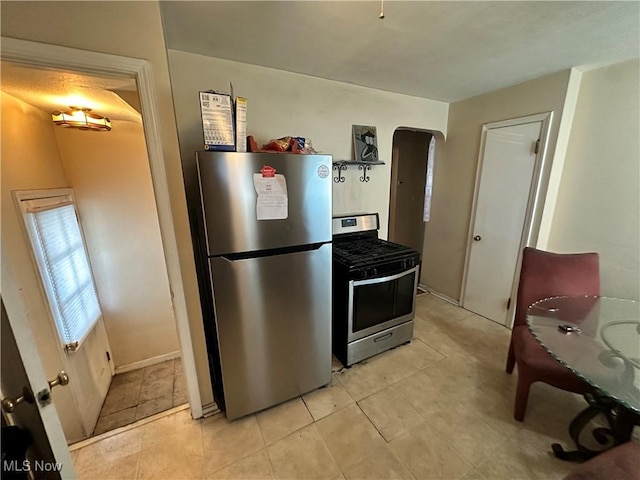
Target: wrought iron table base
[{"x": 620, "y": 420}]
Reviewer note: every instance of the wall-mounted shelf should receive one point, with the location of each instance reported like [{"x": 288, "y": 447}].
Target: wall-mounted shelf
[{"x": 341, "y": 165}]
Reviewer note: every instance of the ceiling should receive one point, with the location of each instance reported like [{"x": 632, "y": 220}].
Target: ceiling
[
  {"x": 51, "y": 90},
  {"x": 445, "y": 51}
]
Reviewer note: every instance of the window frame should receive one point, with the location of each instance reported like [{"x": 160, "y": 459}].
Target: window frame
[{"x": 52, "y": 198}]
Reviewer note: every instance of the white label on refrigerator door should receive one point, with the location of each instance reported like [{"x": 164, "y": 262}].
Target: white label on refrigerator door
[
  {"x": 323, "y": 171},
  {"x": 273, "y": 201}
]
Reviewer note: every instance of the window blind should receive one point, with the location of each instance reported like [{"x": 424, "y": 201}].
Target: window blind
[{"x": 66, "y": 271}]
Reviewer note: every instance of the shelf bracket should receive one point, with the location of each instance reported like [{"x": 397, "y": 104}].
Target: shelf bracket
[
  {"x": 340, "y": 167},
  {"x": 364, "y": 168}
]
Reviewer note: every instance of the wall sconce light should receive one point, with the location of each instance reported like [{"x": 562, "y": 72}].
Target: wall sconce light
[{"x": 81, "y": 118}]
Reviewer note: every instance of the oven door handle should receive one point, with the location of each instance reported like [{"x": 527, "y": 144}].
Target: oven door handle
[{"x": 371, "y": 281}]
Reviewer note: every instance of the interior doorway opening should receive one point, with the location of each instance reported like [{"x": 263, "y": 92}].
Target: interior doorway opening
[
  {"x": 412, "y": 166},
  {"x": 110, "y": 176}
]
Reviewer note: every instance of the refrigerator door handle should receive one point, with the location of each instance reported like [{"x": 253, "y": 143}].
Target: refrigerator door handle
[{"x": 234, "y": 257}]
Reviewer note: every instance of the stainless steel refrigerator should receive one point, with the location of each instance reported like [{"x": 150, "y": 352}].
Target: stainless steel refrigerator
[{"x": 267, "y": 222}]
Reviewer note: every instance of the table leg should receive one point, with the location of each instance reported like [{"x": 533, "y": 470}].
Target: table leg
[{"x": 620, "y": 420}]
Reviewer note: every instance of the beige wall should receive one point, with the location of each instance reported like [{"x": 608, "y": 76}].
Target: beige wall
[
  {"x": 283, "y": 103},
  {"x": 455, "y": 170},
  {"x": 598, "y": 206},
  {"x": 28, "y": 165},
  {"x": 110, "y": 176},
  {"x": 132, "y": 29}
]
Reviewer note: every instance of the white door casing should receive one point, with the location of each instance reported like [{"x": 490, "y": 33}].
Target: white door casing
[{"x": 507, "y": 190}]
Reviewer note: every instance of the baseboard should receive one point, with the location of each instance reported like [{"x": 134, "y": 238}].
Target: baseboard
[
  {"x": 147, "y": 362},
  {"x": 210, "y": 409},
  {"x": 441, "y": 296}
]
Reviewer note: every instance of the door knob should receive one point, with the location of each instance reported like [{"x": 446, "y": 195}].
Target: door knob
[
  {"x": 477, "y": 238},
  {"x": 9, "y": 404},
  {"x": 61, "y": 379}
]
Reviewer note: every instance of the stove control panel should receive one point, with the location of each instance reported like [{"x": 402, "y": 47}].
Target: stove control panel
[
  {"x": 355, "y": 223},
  {"x": 349, "y": 222}
]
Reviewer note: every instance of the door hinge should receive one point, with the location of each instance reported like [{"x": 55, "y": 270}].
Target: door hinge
[
  {"x": 508, "y": 303},
  {"x": 537, "y": 147},
  {"x": 108, "y": 356}
]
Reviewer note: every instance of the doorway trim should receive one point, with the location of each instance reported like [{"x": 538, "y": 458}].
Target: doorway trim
[
  {"x": 535, "y": 202},
  {"x": 64, "y": 58}
]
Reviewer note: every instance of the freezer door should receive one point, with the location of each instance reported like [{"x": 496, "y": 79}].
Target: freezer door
[
  {"x": 274, "y": 327},
  {"x": 229, "y": 200}
]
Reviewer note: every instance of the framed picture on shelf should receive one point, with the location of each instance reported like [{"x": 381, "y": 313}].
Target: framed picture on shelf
[{"x": 365, "y": 143}]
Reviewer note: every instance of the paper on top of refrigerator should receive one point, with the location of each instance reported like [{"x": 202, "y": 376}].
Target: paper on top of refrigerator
[
  {"x": 217, "y": 121},
  {"x": 241, "y": 124}
]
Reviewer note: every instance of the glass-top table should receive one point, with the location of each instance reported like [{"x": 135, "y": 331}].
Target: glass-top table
[
  {"x": 598, "y": 339},
  {"x": 604, "y": 351}
]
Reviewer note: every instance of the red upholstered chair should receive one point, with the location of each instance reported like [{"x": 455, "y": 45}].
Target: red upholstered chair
[{"x": 543, "y": 275}]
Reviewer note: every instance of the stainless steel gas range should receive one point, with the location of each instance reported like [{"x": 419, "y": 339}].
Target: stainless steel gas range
[{"x": 374, "y": 289}]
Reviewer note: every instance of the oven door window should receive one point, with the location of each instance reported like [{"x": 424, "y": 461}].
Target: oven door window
[{"x": 377, "y": 302}]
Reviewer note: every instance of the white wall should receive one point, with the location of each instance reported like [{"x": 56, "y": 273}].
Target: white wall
[
  {"x": 109, "y": 173},
  {"x": 598, "y": 206},
  {"x": 282, "y": 103}
]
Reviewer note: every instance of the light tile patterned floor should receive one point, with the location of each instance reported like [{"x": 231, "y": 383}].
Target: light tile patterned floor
[
  {"x": 142, "y": 393},
  {"x": 438, "y": 408}
]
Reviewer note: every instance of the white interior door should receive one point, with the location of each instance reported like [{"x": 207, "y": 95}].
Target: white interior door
[
  {"x": 21, "y": 367},
  {"x": 92, "y": 373},
  {"x": 89, "y": 365},
  {"x": 501, "y": 205}
]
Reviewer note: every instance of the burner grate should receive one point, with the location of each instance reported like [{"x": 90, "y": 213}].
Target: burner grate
[{"x": 361, "y": 251}]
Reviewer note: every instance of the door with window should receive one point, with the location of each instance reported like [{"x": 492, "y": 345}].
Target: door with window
[{"x": 61, "y": 260}]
